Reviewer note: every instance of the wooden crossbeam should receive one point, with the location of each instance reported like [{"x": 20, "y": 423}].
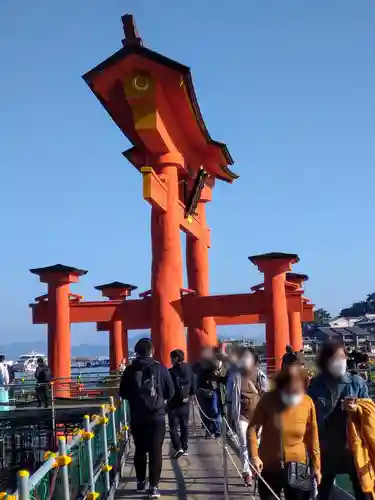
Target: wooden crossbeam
[
  {"x": 250, "y": 308},
  {"x": 155, "y": 192}
]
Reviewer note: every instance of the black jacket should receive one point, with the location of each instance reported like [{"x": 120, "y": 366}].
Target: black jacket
[
  {"x": 184, "y": 372},
  {"x": 208, "y": 378},
  {"x": 129, "y": 390},
  {"x": 43, "y": 374}
]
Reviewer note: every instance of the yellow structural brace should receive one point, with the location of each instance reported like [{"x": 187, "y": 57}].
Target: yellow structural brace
[
  {"x": 93, "y": 495},
  {"x": 48, "y": 455},
  {"x": 107, "y": 468},
  {"x": 86, "y": 436},
  {"x": 63, "y": 460},
  {"x": 103, "y": 420}
]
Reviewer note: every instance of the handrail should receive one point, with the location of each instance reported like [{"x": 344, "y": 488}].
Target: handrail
[{"x": 105, "y": 430}]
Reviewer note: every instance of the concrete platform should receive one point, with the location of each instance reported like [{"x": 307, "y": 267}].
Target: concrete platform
[{"x": 198, "y": 476}]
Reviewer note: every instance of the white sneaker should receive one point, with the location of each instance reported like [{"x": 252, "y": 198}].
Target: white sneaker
[
  {"x": 154, "y": 492},
  {"x": 177, "y": 454}
]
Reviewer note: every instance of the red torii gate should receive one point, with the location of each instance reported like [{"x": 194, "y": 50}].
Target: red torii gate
[
  {"x": 152, "y": 100},
  {"x": 268, "y": 301}
]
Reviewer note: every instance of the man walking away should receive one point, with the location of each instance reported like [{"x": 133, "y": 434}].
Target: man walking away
[
  {"x": 178, "y": 408},
  {"x": 289, "y": 357},
  {"x": 148, "y": 386},
  {"x": 43, "y": 378},
  {"x": 4, "y": 382},
  {"x": 11, "y": 373}
]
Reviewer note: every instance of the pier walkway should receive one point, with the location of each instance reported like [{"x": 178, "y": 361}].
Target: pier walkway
[
  {"x": 198, "y": 476},
  {"x": 82, "y": 450}
]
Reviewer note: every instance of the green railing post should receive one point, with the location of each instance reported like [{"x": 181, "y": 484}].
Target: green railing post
[
  {"x": 64, "y": 461},
  {"x": 106, "y": 466},
  {"x": 113, "y": 420},
  {"x": 53, "y": 409},
  {"x": 23, "y": 485},
  {"x": 87, "y": 437}
]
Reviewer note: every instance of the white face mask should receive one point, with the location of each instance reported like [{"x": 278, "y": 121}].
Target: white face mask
[
  {"x": 247, "y": 362},
  {"x": 337, "y": 367},
  {"x": 291, "y": 399}
]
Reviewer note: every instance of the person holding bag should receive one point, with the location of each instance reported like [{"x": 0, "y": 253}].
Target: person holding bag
[
  {"x": 334, "y": 392},
  {"x": 288, "y": 456}
]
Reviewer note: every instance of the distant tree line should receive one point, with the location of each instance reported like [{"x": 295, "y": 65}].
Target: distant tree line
[
  {"x": 367, "y": 306},
  {"x": 322, "y": 316},
  {"x": 361, "y": 308}
]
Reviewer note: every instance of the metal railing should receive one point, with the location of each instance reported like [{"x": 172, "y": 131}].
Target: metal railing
[
  {"x": 83, "y": 385},
  {"x": 87, "y": 467}
]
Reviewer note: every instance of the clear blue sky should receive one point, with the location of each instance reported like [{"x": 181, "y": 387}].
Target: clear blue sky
[{"x": 287, "y": 84}]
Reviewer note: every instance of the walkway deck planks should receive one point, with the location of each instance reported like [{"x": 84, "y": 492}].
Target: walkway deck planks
[{"x": 198, "y": 476}]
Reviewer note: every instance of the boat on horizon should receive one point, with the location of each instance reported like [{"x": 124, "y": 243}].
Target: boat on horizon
[{"x": 28, "y": 362}]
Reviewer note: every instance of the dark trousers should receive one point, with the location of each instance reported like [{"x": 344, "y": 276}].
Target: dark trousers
[
  {"x": 278, "y": 482},
  {"x": 148, "y": 440},
  {"x": 42, "y": 395},
  {"x": 329, "y": 473},
  {"x": 179, "y": 421}
]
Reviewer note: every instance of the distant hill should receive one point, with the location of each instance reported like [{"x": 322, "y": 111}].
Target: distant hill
[{"x": 15, "y": 349}]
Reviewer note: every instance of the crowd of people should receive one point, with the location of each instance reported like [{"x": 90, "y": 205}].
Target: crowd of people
[{"x": 293, "y": 432}]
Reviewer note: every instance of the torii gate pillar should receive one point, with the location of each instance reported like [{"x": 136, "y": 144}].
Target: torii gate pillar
[
  {"x": 118, "y": 336},
  {"x": 58, "y": 279},
  {"x": 204, "y": 333},
  {"x": 294, "y": 317},
  {"x": 167, "y": 330},
  {"x": 274, "y": 266},
  {"x": 152, "y": 100}
]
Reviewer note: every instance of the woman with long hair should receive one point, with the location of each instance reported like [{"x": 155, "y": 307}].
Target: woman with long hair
[
  {"x": 288, "y": 457},
  {"x": 249, "y": 383}
]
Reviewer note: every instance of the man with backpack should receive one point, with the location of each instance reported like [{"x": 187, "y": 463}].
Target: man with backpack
[
  {"x": 148, "y": 387},
  {"x": 178, "y": 407}
]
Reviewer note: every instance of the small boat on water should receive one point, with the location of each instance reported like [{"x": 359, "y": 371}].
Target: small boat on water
[{"x": 28, "y": 362}]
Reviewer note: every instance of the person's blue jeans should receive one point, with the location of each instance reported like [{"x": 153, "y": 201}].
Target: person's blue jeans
[
  {"x": 211, "y": 407},
  {"x": 215, "y": 414}
]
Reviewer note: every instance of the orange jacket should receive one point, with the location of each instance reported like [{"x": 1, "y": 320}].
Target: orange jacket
[{"x": 361, "y": 440}]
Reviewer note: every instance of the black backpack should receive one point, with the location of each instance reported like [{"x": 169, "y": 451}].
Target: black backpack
[
  {"x": 149, "y": 391},
  {"x": 182, "y": 386}
]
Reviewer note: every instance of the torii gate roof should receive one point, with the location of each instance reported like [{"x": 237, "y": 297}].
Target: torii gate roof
[{"x": 164, "y": 97}]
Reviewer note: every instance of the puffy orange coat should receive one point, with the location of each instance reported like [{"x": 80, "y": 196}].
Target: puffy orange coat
[{"x": 361, "y": 440}]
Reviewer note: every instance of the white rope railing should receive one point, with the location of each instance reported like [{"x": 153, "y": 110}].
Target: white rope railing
[{"x": 233, "y": 434}]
